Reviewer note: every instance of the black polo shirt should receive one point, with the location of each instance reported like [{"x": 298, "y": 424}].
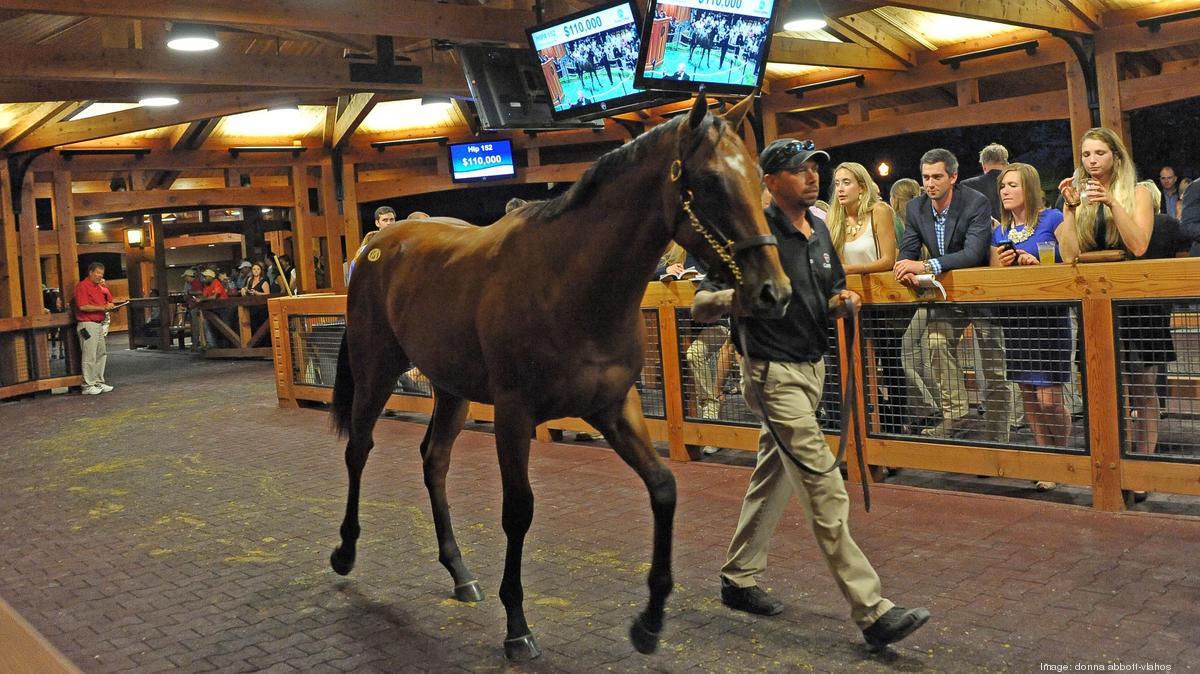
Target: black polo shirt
[{"x": 802, "y": 335}]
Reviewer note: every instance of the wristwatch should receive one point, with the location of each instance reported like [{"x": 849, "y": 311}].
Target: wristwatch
[{"x": 928, "y": 267}]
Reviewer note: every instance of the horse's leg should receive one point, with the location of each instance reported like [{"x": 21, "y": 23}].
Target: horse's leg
[
  {"x": 375, "y": 372},
  {"x": 513, "y": 428},
  {"x": 625, "y": 429},
  {"x": 449, "y": 414}
]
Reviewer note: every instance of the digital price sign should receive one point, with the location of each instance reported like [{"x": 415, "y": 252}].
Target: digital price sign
[{"x": 486, "y": 160}]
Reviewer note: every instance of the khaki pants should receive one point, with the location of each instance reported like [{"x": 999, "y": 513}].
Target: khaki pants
[
  {"x": 94, "y": 353},
  {"x": 792, "y": 392},
  {"x": 702, "y": 357},
  {"x": 945, "y": 331}
]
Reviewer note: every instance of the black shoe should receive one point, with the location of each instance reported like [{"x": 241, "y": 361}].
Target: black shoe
[
  {"x": 894, "y": 625},
  {"x": 749, "y": 599}
]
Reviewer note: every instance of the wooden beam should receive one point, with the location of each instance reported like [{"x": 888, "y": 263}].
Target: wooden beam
[
  {"x": 335, "y": 226},
  {"x": 10, "y": 269},
  {"x": 141, "y": 119},
  {"x": 1109, "y": 86},
  {"x": 967, "y": 91},
  {"x": 868, "y": 31},
  {"x": 1144, "y": 92},
  {"x": 421, "y": 184},
  {"x": 357, "y": 17},
  {"x": 1087, "y": 11},
  {"x": 35, "y": 119},
  {"x": 934, "y": 75},
  {"x": 1080, "y": 114},
  {"x": 1134, "y": 38},
  {"x": 97, "y": 203},
  {"x": 31, "y": 91},
  {"x": 832, "y": 54},
  {"x": 1043, "y": 14},
  {"x": 356, "y": 110},
  {"x": 1034, "y": 107},
  {"x": 166, "y": 67},
  {"x": 351, "y": 224},
  {"x": 1149, "y": 10},
  {"x": 31, "y": 262},
  {"x": 181, "y": 160}
]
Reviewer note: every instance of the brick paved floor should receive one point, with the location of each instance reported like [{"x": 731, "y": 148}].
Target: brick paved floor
[{"x": 184, "y": 521}]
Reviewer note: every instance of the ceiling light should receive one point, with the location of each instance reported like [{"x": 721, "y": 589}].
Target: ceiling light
[
  {"x": 266, "y": 210},
  {"x": 158, "y": 101},
  {"x": 435, "y": 102},
  {"x": 803, "y": 16},
  {"x": 192, "y": 37},
  {"x": 883, "y": 169},
  {"x": 95, "y": 226}
]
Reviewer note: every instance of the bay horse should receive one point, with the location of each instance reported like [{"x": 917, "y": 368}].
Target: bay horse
[{"x": 539, "y": 315}]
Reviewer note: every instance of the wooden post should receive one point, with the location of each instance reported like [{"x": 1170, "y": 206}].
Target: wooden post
[
  {"x": 1109, "y": 86},
  {"x": 668, "y": 340},
  {"x": 335, "y": 227},
  {"x": 351, "y": 226},
  {"x": 1077, "y": 103},
  {"x": 64, "y": 225},
  {"x": 31, "y": 263},
  {"x": 162, "y": 283},
  {"x": 10, "y": 267},
  {"x": 302, "y": 229},
  {"x": 1104, "y": 410}
]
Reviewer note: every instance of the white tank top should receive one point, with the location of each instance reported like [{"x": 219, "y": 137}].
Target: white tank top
[{"x": 861, "y": 250}]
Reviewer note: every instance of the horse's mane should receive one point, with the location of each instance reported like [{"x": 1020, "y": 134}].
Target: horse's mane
[{"x": 608, "y": 165}]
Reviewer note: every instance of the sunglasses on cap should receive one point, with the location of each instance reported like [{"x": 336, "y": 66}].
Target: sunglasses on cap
[{"x": 785, "y": 153}]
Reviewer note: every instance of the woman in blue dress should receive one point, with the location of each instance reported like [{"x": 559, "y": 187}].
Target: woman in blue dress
[{"x": 1037, "y": 338}]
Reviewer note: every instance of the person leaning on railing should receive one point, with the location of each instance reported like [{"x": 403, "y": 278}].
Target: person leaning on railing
[
  {"x": 1105, "y": 209},
  {"x": 1037, "y": 340},
  {"x": 864, "y": 235}
]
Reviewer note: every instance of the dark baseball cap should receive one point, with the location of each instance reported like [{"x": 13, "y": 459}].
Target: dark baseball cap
[{"x": 789, "y": 154}]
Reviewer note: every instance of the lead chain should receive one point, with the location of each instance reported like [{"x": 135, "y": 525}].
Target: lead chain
[{"x": 722, "y": 252}]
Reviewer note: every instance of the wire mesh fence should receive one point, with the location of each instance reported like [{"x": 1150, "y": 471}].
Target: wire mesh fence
[
  {"x": 650, "y": 384},
  {"x": 1158, "y": 362},
  {"x": 986, "y": 373}
]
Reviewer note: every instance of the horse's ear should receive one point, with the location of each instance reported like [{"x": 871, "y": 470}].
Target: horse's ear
[
  {"x": 699, "y": 110},
  {"x": 738, "y": 112}
]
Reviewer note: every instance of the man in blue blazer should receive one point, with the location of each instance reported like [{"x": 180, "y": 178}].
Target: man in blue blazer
[{"x": 955, "y": 225}]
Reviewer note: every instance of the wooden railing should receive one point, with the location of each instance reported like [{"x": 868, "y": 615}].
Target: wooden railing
[
  {"x": 1091, "y": 289},
  {"x": 241, "y": 322},
  {"x": 38, "y": 353}
]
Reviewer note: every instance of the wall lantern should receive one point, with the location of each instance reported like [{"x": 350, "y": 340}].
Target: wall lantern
[{"x": 135, "y": 237}]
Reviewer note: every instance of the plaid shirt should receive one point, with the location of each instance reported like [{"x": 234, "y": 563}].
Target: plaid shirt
[{"x": 939, "y": 226}]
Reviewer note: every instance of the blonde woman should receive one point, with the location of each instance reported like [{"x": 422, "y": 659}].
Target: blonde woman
[
  {"x": 1105, "y": 209},
  {"x": 863, "y": 231},
  {"x": 1037, "y": 339},
  {"x": 861, "y": 225}
]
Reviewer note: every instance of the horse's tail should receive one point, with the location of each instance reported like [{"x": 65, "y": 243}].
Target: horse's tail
[{"x": 343, "y": 392}]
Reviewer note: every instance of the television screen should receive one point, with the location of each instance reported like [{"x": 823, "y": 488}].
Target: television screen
[
  {"x": 588, "y": 60},
  {"x": 485, "y": 160},
  {"x": 721, "y": 44},
  {"x": 508, "y": 91}
]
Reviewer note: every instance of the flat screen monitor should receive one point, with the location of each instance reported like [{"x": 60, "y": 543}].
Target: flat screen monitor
[
  {"x": 721, "y": 44},
  {"x": 508, "y": 90},
  {"x": 485, "y": 160},
  {"x": 588, "y": 61}
]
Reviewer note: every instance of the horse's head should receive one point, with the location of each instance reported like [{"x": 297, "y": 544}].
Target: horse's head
[{"x": 722, "y": 219}]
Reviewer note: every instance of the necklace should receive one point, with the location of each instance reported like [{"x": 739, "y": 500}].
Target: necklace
[
  {"x": 853, "y": 230},
  {"x": 1018, "y": 235}
]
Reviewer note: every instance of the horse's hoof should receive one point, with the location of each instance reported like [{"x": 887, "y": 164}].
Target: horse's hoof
[
  {"x": 342, "y": 562},
  {"x": 469, "y": 591},
  {"x": 521, "y": 649},
  {"x": 644, "y": 640}
]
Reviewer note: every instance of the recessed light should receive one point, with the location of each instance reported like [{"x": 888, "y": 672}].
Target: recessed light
[
  {"x": 158, "y": 101},
  {"x": 192, "y": 37}
]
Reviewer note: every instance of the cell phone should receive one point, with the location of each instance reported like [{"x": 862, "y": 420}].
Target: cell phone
[
  {"x": 83, "y": 332},
  {"x": 1007, "y": 245}
]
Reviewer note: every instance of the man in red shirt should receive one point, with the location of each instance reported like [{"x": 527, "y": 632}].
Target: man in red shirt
[
  {"x": 213, "y": 290},
  {"x": 92, "y": 300}
]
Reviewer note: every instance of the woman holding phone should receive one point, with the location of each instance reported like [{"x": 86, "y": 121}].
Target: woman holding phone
[{"x": 1037, "y": 338}]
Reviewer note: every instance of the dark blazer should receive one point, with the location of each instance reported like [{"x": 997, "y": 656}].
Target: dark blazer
[
  {"x": 987, "y": 184},
  {"x": 1189, "y": 224},
  {"x": 968, "y": 230}
]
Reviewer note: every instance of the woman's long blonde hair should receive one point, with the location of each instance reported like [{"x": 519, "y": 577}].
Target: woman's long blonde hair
[
  {"x": 1035, "y": 197},
  {"x": 903, "y": 191},
  {"x": 867, "y": 199},
  {"x": 1124, "y": 179}
]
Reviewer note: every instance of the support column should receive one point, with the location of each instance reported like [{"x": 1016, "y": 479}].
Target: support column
[
  {"x": 64, "y": 226},
  {"x": 335, "y": 227},
  {"x": 351, "y": 224},
  {"x": 303, "y": 224},
  {"x": 1109, "y": 90}
]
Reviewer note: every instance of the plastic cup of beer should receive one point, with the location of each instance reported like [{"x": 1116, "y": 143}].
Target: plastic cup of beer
[{"x": 1046, "y": 252}]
